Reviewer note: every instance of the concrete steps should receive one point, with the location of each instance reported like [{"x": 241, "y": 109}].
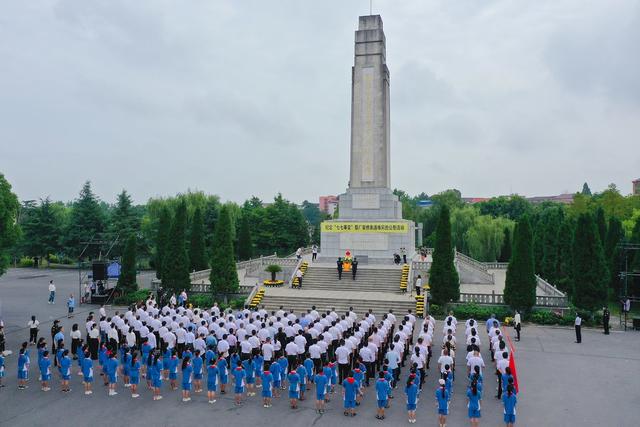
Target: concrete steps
[
  {"x": 302, "y": 303},
  {"x": 367, "y": 280}
]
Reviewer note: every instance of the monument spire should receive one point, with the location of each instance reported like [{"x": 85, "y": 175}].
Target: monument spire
[{"x": 370, "y": 134}]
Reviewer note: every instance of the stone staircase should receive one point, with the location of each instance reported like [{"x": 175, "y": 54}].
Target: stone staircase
[
  {"x": 376, "y": 288},
  {"x": 367, "y": 280}
]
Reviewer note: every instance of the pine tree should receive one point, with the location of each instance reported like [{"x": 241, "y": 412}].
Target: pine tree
[
  {"x": 564, "y": 272},
  {"x": 162, "y": 237},
  {"x": 520, "y": 285},
  {"x": 224, "y": 275},
  {"x": 586, "y": 190},
  {"x": 505, "y": 251},
  {"x": 443, "y": 277},
  {"x": 553, "y": 217},
  {"x": 601, "y": 225},
  {"x": 175, "y": 272},
  {"x": 245, "y": 245},
  {"x": 197, "y": 256},
  {"x": 613, "y": 255},
  {"x": 9, "y": 207},
  {"x": 127, "y": 279},
  {"x": 86, "y": 222},
  {"x": 590, "y": 270},
  {"x": 124, "y": 220},
  {"x": 634, "y": 262}
]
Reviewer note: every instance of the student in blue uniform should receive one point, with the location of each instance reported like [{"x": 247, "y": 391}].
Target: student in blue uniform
[
  {"x": 209, "y": 356},
  {"x": 23, "y": 368},
  {"x": 212, "y": 380},
  {"x": 87, "y": 372},
  {"x": 349, "y": 391},
  {"x": 166, "y": 361},
  {"x": 224, "y": 376},
  {"x": 45, "y": 371},
  {"x": 321, "y": 381},
  {"x": 284, "y": 370},
  {"x": 474, "y": 396},
  {"x": 238, "y": 382},
  {"x": 173, "y": 370},
  {"x": 328, "y": 372},
  {"x": 275, "y": 372},
  {"x": 359, "y": 375},
  {"x": 382, "y": 394},
  {"x": 334, "y": 376},
  {"x": 247, "y": 365},
  {"x": 267, "y": 385},
  {"x": 510, "y": 400},
  {"x": 65, "y": 371},
  {"x": 80, "y": 349},
  {"x": 102, "y": 360},
  {"x": 258, "y": 364},
  {"x": 112, "y": 372},
  {"x": 411, "y": 390},
  {"x": 448, "y": 378},
  {"x": 442, "y": 398},
  {"x": 155, "y": 370},
  {"x": 294, "y": 388},
  {"x": 134, "y": 374},
  {"x": 187, "y": 370},
  {"x": 308, "y": 366},
  {"x": 302, "y": 373},
  {"x": 146, "y": 350},
  {"x": 1, "y": 369},
  {"x": 197, "y": 371}
]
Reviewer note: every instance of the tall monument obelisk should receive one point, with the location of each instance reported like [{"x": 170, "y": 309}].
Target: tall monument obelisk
[{"x": 370, "y": 220}]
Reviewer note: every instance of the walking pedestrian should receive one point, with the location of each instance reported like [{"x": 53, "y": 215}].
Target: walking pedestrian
[
  {"x": 299, "y": 253},
  {"x": 339, "y": 264},
  {"x": 418, "y": 284},
  {"x": 509, "y": 400},
  {"x": 52, "y": 292},
  {"x": 299, "y": 276},
  {"x": 314, "y": 253},
  {"x": 578, "y": 325},
  {"x": 403, "y": 251},
  {"x": 33, "y": 330}
]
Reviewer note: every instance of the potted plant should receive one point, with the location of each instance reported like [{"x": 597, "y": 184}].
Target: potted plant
[{"x": 273, "y": 269}]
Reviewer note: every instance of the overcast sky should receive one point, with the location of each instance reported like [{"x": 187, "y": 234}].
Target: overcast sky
[{"x": 242, "y": 98}]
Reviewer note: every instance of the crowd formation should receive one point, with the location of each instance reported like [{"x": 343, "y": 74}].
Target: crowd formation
[{"x": 314, "y": 355}]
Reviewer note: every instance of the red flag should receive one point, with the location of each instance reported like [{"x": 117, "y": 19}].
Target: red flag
[{"x": 512, "y": 366}]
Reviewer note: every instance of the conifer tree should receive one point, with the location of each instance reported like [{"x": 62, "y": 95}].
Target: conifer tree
[
  {"x": 586, "y": 190},
  {"x": 613, "y": 255},
  {"x": 86, "y": 222},
  {"x": 443, "y": 277},
  {"x": 505, "y": 252},
  {"x": 175, "y": 271},
  {"x": 590, "y": 272},
  {"x": 520, "y": 285},
  {"x": 245, "y": 244},
  {"x": 224, "y": 275},
  {"x": 127, "y": 279},
  {"x": 197, "y": 255},
  {"x": 162, "y": 237},
  {"x": 9, "y": 206},
  {"x": 564, "y": 272},
  {"x": 601, "y": 225}
]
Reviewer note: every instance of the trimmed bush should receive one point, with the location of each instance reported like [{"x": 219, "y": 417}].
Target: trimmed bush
[
  {"x": 133, "y": 297},
  {"x": 204, "y": 301}
]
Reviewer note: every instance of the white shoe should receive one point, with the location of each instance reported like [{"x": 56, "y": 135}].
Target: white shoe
[
  {"x": 127, "y": 385},
  {"x": 135, "y": 395},
  {"x": 87, "y": 392},
  {"x": 212, "y": 401}
]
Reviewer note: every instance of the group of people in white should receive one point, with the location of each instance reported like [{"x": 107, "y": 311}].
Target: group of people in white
[{"x": 242, "y": 351}]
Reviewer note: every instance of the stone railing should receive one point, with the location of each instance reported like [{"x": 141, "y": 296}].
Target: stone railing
[
  {"x": 295, "y": 270},
  {"x": 470, "y": 261},
  {"x": 548, "y": 288},
  {"x": 493, "y": 298},
  {"x": 496, "y": 265},
  {"x": 421, "y": 265}
]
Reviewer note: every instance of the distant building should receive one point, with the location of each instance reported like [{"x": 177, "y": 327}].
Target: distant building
[
  {"x": 636, "y": 187},
  {"x": 328, "y": 204},
  {"x": 473, "y": 200},
  {"x": 566, "y": 198}
]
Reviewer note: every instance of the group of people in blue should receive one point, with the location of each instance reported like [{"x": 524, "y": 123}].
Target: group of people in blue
[{"x": 246, "y": 352}]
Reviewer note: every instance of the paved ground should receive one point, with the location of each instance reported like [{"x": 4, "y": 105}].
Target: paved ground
[{"x": 562, "y": 383}]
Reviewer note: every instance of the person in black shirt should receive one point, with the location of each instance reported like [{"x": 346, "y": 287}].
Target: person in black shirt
[
  {"x": 339, "y": 264},
  {"x": 354, "y": 268}
]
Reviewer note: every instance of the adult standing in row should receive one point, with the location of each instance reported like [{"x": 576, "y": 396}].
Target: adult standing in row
[
  {"x": 578, "y": 325},
  {"x": 339, "y": 264}
]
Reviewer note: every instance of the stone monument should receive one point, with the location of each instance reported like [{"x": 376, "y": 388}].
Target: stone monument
[{"x": 370, "y": 222}]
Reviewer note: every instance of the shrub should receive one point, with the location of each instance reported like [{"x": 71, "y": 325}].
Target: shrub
[
  {"x": 545, "y": 317},
  {"x": 133, "y": 297},
  {"x": 237, "y": 303},
  {"x": 273, "y": 269},
  {"x": 201, "y": 300},
  {"x": 436, "y": 310},
  {"x": 25, "y": 262},
  {"x": 478, "y": 312}
]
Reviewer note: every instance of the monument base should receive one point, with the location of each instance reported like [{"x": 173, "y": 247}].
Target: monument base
[{"x": 370, "y": 225}]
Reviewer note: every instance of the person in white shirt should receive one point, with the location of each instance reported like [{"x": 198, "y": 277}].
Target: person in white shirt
[
  {"x": 445, "y": 359},
  {"x": 418, "y": 285},
  {"x": 475, "y": 360},
  {"x": 52, "y": 292},
  {"x": 578, "y": 325},
  {"x": 291, "y": 351},
  {"x": 33, "y": 330},
  {"x": 342, "y": 357}
]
